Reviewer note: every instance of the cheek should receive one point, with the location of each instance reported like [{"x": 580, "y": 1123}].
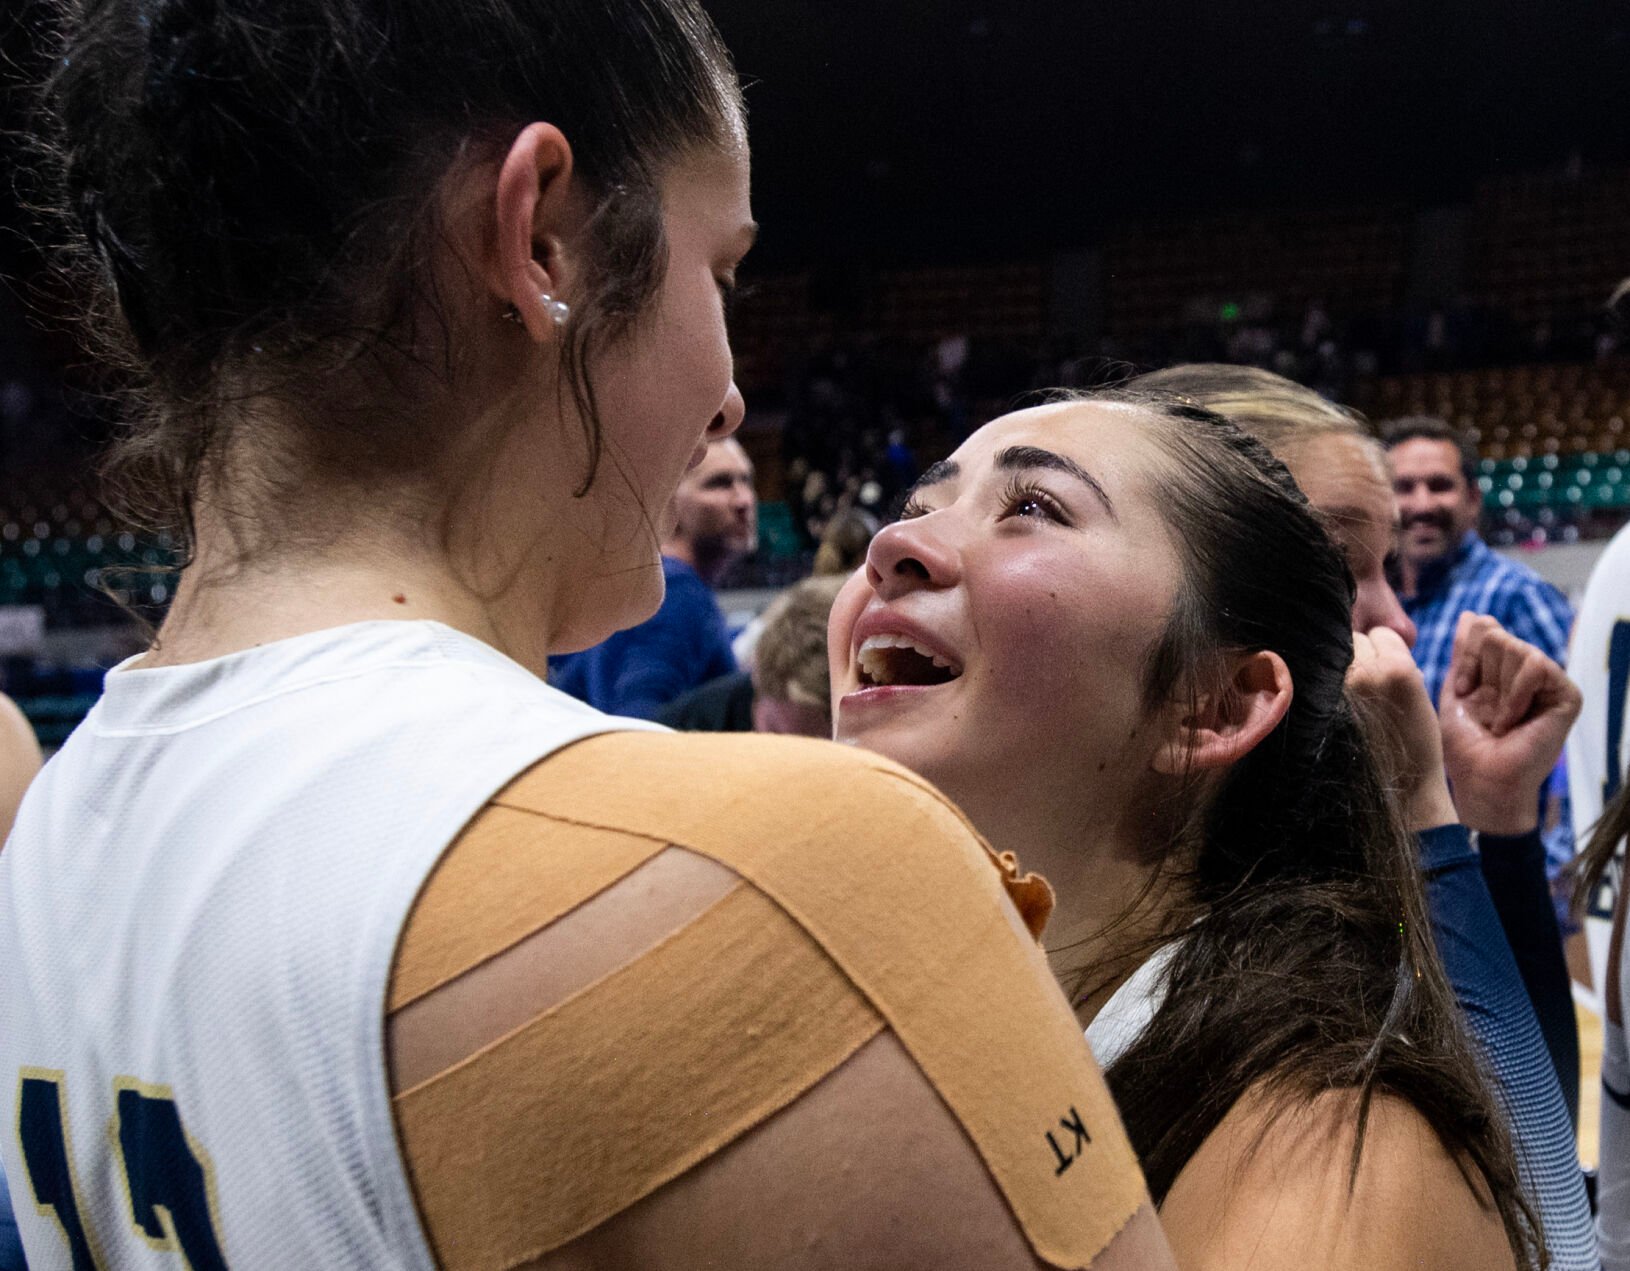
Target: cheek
[{"x": 1067, "y": 649}]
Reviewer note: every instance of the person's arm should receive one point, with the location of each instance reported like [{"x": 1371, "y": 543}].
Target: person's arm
[
  {"x": 1466, "y": 929},
  {"x": 1505, "y": 713},
  {"x": 1490, "y": 992},
  {"x": 1276, "y": 1193},
  {"x": 1514, "y": 869}
]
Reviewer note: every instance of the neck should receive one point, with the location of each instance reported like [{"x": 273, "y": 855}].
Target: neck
[
  {"x": 1108, "y": 900},
  {"x": 224, "y": 604}
]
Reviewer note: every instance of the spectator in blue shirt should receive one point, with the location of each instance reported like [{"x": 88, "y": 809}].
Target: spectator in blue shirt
[
  {"x": 713, "y": 522},
  {"x": 1444, "y": 567}
]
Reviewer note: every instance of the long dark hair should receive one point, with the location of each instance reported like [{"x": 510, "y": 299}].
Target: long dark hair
[
  {"x": 1608, "y": 834},
  {"x": 1309, "y": 966},
  {"x": 249, "y": 199}
]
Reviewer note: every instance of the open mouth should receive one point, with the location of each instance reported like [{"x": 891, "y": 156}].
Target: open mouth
[{"x": 890, "y": 661}]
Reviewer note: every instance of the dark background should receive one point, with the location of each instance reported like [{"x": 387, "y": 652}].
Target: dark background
[{"x": 913, "y": 131}]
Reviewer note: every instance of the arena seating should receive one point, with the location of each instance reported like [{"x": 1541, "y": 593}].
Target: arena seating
[
  {"x": 1351, "y": 258},
  {"x": 1549, "y": 243}
]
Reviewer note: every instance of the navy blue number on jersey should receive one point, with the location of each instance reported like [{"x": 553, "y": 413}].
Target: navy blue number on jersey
[
  {"x": 50, "y": 1169},
  {"x": 1605, "y": 892},
  {"x": 1618, "y": 679},
  {"x": 169, "y": 1185}
]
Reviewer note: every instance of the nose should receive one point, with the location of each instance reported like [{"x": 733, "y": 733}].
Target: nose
[
  {"x": 910, "y": 555},
  {"x": 1377, "y": 605},
  {"x": 730, "y": 415}
]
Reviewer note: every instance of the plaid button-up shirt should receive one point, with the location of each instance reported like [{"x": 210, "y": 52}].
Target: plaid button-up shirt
[{"x": 1476, "y": 578}]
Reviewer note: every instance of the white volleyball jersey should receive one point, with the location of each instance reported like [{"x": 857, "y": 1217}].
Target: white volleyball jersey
[
  {"x": 1599, "y": 745},
  {"x": 199, "y": 908}
]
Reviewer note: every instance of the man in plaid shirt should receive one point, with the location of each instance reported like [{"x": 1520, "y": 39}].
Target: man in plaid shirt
[{"x": 1444, "y": 567}]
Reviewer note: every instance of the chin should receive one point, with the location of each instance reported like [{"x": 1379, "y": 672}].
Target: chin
[
  {"x": 611, "y": 605},
  {"x": 929, "y": 757}
]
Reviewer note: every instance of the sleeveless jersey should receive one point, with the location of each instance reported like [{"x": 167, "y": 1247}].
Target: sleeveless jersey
[
  {"x": 199, "y": 909},
  {"x": 1598, "y": 746}
]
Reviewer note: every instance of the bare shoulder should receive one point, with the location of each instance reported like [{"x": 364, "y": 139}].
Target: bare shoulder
[{"x": 1270, "y": 1192}]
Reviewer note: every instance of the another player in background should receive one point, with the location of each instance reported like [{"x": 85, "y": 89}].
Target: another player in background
[
  {"x": 1599, "y": 747},
  {"x": 1606, "y": 846},
  {"x": 787, "y": 688}
]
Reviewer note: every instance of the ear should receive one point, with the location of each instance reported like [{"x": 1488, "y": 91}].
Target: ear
[
  {"x": 533, "y": 216},
  {"x": 1226, "y": 726}
]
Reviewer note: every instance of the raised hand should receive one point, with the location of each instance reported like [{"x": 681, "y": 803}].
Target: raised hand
[
  {"x": 1387, "y": 687},
  {"x": 1505, "y": 711}
]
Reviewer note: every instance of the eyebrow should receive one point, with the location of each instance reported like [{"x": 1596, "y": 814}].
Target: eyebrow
[
  {"x": 936, "y": 474},
  {"x": 1019, "y": 458}
]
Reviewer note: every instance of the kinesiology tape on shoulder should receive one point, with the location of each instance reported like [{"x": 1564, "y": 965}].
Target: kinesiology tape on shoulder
[{"x": 870, "y": 905}]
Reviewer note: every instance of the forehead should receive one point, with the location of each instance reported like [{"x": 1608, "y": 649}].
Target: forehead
[
  {"x": 709, "y": 191},
  {"x": 1424, "y": 456},
  {"x": 1346, "y": 473},
  {"x": 1109, "y": 439}
]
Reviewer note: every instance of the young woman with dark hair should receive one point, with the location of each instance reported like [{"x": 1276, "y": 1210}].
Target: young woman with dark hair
[
  {"x": 1112, "y": 629},
  {"x": 367, "y": 948}
]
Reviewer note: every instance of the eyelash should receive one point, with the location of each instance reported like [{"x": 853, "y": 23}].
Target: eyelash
[
  {"x": 1018, "y": 491},
  {"x": 731, "y": 293},
  {"x": 1021, "y": 491}
]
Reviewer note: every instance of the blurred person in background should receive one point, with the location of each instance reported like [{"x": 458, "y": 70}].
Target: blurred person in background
[
  {"x": 844, "y": 541},
  {"x": 712, "y": 523},
  {"x": 842, "y": 550},
  {"x": 788, "y": 688},
  {"x": 1597, "y": 767}
]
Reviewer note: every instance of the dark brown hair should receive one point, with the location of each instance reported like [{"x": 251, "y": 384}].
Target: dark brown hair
[
  {"x": 1309, "y": 966},
  {"x": 250, "y": 200},
  {"x": 1605, "y": 838},
  {"x": 1394, "y": 432}
]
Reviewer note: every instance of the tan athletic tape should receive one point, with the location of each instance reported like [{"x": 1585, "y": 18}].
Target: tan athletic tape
[
  {"x": 548, "y": 1132},
  {"x": 507, "y": 877},
  {"x": 917, "y": 921}
]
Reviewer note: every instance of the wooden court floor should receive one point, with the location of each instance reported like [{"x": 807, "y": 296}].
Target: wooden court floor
[{"x": 1590, "y": 1082}]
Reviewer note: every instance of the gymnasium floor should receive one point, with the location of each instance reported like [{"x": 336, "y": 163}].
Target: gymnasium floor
[{"x": 1590, "y": 1082}]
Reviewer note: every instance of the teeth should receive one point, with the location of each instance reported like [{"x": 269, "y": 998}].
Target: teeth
[{"x": 875, "y": 664}]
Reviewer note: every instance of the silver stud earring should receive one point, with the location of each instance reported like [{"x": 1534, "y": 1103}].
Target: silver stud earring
[{"x": 558, "y": 310}]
